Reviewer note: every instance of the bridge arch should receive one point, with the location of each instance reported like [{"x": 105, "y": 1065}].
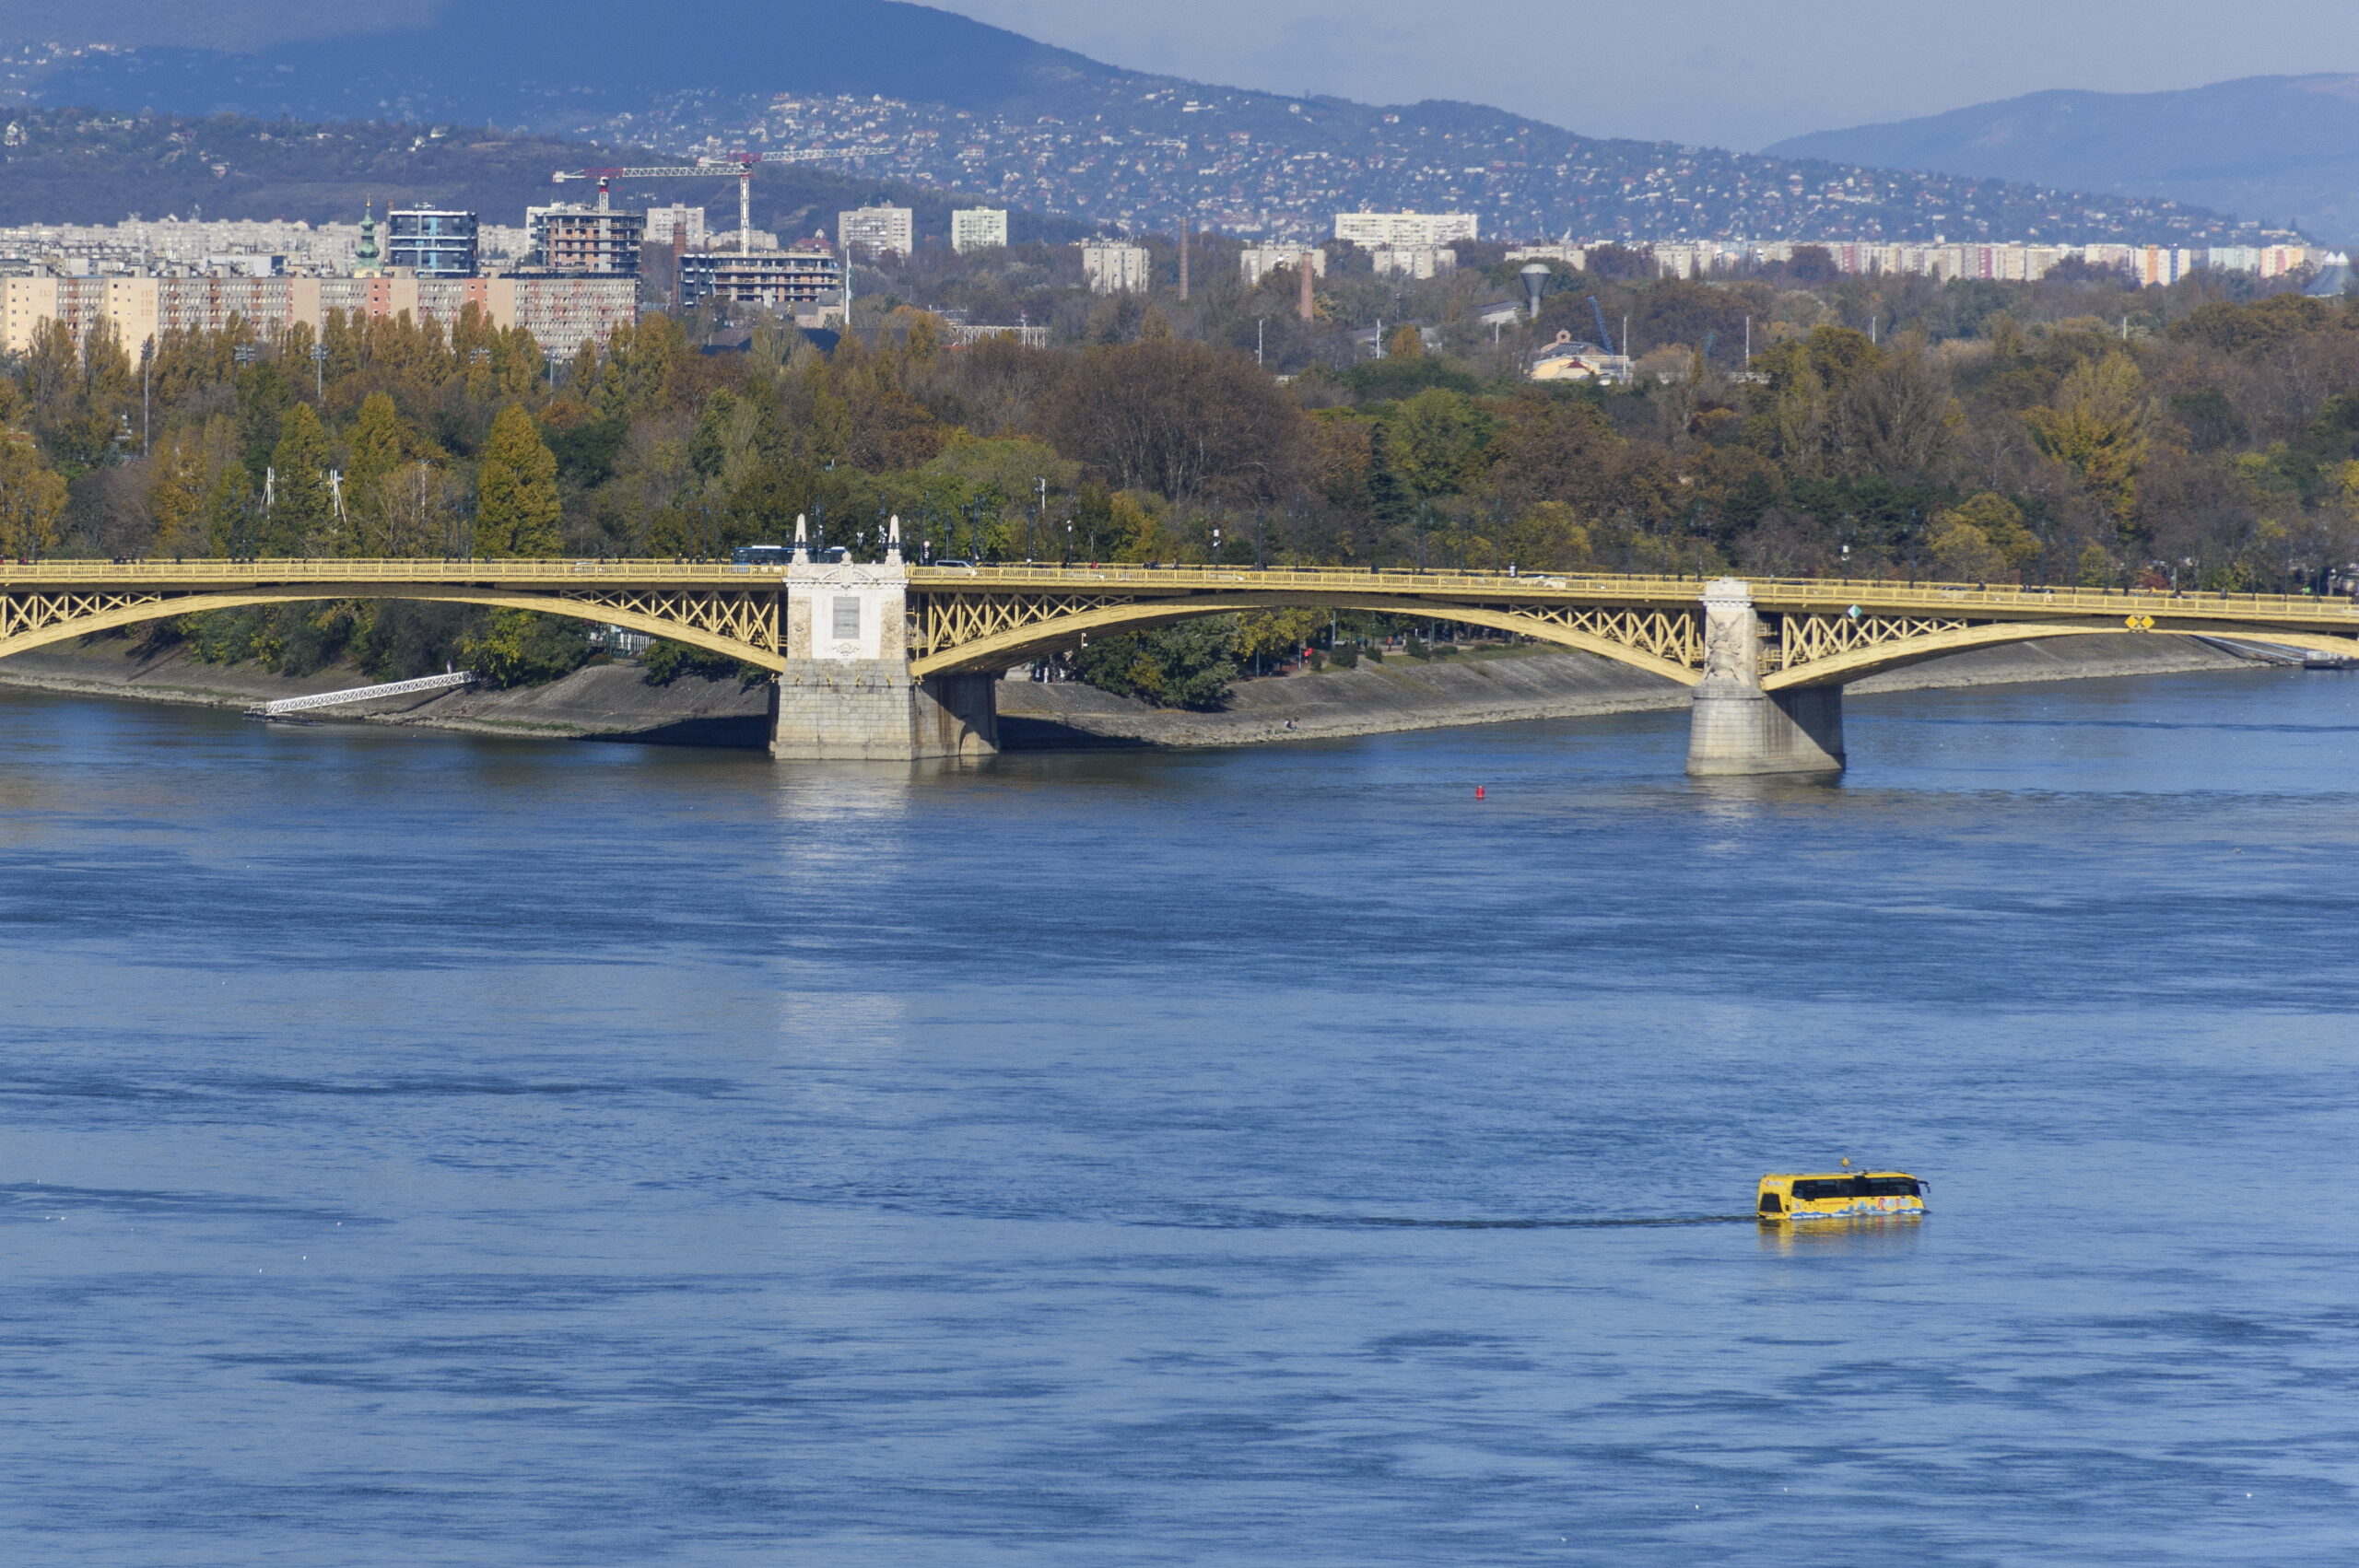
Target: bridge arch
[
  {"x": 1858, "y": 664},
  {"x": 1015, "y": 644},
  {"x": 132, "y": 610}
]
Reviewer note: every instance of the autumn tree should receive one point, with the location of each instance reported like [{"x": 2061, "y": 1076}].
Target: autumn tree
[
  {"x": 31, "y": 496},
  {"x": 517, "y": 509},
  {"x": 176, "y": 500},
  {"x": 2096, "y": 428},
  {"x": 1187, "y": 420}
]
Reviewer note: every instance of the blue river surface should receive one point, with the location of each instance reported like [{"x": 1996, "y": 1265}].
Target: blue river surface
[{"x": 427, "y": 1150}]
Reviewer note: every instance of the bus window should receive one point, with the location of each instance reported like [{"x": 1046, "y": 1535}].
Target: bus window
[
  {"x": 1888, "y": 1187},
  {"x": 1769, "y": 1204}
]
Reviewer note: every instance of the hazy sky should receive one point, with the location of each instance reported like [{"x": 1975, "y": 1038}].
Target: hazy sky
[{"x": 1727, "y": 73}]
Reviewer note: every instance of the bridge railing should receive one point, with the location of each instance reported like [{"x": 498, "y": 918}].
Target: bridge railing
[
  {"x": 1818, "y": 595},
  {"x": 329, "y": 570}
]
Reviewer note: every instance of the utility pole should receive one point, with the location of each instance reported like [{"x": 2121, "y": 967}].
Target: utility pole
[
  {"x": 1183, "y": 258},
  {"x": 1259, "y": 322}
]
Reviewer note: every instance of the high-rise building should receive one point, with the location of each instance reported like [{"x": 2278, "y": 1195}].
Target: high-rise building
[
  {"x": 582, "y": 240},
  {"x": 875, "y": 231},
  {"x": 430, "y": 241},
  {"x": 680, "y": 225},
  {"x": 1413, "y": 261},
  {"x": 1387, "y": 231},
  {"x": 979, "y": 228},
  {"x": 805, "y": 279},
  {"x": 1112, "y": 267},
  {"x": 1257, "y": 261}
]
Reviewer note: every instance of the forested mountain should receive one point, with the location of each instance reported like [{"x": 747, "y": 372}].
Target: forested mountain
[
  {"x": 940, "y": 99},
  {"x": 2278, "y": 149}
]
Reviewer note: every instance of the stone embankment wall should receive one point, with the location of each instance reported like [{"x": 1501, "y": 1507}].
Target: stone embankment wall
[
  {"x": 614, "y": 701},
  {"x": 1405, "y": 694},
  {"x": 603, "y": 700}
]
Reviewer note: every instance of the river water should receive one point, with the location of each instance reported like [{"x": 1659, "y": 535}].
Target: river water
[{"x": 439, "y": 1151}]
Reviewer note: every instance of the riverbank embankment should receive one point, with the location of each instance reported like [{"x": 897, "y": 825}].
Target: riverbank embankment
[
  {"x": 1520, "y": 683},
  {"x": 1485, "y": 686}
]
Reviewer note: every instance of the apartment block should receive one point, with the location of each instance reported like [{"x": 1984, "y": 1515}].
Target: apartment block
[
  {"x": 1109, "y": 267},
  {"x": 680, "y": 225},
  {"x": 561, "y": 313},
  {"x": 805, "y": 279},
  {"x": 1413, "y": 261},
  {"x": 431, "y": 241},
  {"x": 979, "y": 228},
  {"x": 580, "y": 240},
  {"x": 1257, "y": 261},
  {"x": 1388, "y": 230},
  {"x": 875, "y": 231}
]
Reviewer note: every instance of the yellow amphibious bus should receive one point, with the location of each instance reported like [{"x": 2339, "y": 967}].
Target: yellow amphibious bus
[{"x": 1840, "y": 1195}]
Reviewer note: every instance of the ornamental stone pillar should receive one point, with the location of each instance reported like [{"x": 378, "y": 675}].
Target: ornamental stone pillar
[{"x": 1734, "y": 726}]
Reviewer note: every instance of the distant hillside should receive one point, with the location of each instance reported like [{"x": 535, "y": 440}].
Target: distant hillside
[
  {"x": 549, "y": 63},
  {"x": 2281, "y": 150},
  {"x": 945, "y": 101},
  {"x": 74, "y": 166}
]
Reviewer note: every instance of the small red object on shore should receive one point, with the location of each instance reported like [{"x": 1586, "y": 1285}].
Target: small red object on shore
[{"x": 1478, "y": 792}]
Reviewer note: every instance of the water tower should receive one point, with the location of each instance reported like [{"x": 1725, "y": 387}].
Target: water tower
[{"x": 1535, "y": 283}]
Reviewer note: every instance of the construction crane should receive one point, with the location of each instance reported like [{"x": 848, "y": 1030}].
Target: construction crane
[{"x": 740, "y": 165}]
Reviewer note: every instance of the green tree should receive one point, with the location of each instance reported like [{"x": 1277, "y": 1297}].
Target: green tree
[
  {"x": 1438, "y": 439},
  {"x": 2000, "y": 522},
  {"x": 1189, "y": 665},
  {"x": 229, "y": 531},
  {"x": 379, "y": 441},
  {"x": 302, "y": 518},
  {"x": 518, "y": 647},
  {"x": 517, "y": 510}
]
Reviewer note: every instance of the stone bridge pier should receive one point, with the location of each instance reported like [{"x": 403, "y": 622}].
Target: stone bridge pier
[
  {"x": 846, "y": 694},
  {"x": 1734, "y": 726}
]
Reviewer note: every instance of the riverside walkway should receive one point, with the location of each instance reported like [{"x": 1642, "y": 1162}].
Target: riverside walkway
[{"x": 890, "y": 660}]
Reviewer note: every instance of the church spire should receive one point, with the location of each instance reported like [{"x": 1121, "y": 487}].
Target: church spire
[{"x": 364, "y": 255}]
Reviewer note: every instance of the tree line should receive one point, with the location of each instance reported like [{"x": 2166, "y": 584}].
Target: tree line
[{"x": 1973, "y": 432}]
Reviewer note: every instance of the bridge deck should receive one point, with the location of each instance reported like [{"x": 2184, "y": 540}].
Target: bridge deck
[{"x": 1817, "y": 596}]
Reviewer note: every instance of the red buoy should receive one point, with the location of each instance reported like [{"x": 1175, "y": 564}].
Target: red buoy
[{"x": 1478, "y": 792}]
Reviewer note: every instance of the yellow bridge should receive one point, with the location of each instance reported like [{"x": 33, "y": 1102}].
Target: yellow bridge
[{"x": 895, "y": 659}]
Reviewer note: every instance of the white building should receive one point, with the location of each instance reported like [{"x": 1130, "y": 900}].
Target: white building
[
  {"x": 680, "y": 225},
  {"x": 1112, "y": 267},
  {"x": 1573, "y": 256},
  {"x": 1413, "y": 261},
  {"x": 979, "y": 228},
  {"x": 875, "y": 231},
  {"x": 1385, "y": 230},
  {"x": 1257, "y": 261}
]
